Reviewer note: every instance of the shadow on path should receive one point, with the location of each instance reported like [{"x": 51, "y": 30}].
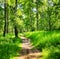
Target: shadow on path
[{"x": 27, "y": 52}]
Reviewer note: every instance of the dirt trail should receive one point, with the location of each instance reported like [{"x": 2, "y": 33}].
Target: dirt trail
[{"x": 27, "y": 52}]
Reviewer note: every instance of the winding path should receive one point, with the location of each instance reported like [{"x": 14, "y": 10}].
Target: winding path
[{"x": 27, "y": 52}]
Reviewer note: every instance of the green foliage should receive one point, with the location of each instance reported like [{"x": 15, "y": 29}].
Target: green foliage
[
  {"x": 25, "y": 16},
  {"x": 42, "y": 39},
  {"x": 29, "y": 15},
  {"x": 46, "y": 41},
  {"x": 9, "y": 46},
  {"x": 8, "y": 50},
  {"x": 51, "y": 52}
]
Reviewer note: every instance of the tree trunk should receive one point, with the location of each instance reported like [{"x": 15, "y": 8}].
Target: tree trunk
[
  {"x": 16, "y": 31},
  {"x": 37, "y": 15},
  {"x": 49, "y": 21},
  {"x": 6, "y": 18},
  {"x": 15, "y": 27}
]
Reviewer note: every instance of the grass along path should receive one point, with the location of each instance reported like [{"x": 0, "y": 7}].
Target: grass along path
[{"x": 27, "y": 52}]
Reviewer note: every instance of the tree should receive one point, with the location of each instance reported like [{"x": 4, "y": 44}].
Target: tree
[
  {"x": 5, "y": 17},
  {"x": 15, "y": 26},
  {"x": 37, "y": 17}
]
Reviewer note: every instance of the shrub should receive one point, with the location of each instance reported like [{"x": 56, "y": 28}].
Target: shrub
[{"x": 51, "y": 53}]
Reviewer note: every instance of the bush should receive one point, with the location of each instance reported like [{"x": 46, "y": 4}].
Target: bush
[
  {"x": 51, "y": 53},
  {"x": 9, "y": 47},
  {"x": 8, "y": 50}
]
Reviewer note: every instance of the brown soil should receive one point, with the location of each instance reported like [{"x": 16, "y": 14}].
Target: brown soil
[{"x": 27, "y": 52}]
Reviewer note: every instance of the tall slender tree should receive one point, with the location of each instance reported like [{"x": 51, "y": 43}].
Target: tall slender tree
[
  {"x": 5, "y": 17},
  {"x": 15, "y": 26},
  {"x": 37, "y": 15}
]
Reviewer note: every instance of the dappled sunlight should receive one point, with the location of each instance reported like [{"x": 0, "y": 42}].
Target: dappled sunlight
[
  {"x": 29, "y": 56},
  {"x": 29, "y": 29},
  {"x": 45, "y": 53}
]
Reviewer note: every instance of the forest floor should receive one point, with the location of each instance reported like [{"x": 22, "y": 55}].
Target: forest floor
[{"x": 27, "y": 51}]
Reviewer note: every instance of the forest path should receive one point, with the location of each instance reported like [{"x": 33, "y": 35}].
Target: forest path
[{"x": 27, "y": 52}]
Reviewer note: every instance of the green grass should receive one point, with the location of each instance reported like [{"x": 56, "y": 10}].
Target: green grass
[
  {"x": 46, "y": 41},
  {"x": 51, "y": 52},
  {"x": 44, "y": 38},
  {"x": 10, "y": 46}
]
